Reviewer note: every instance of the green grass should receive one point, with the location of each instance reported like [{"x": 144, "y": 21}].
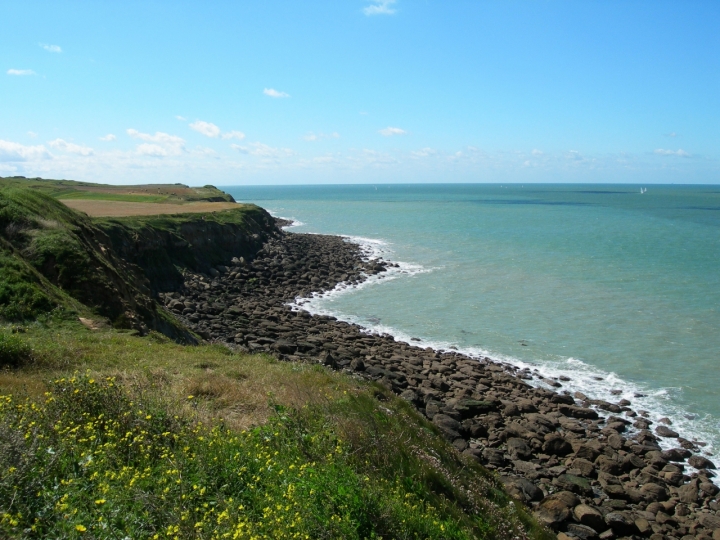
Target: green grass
[
  {"x": 65, "y": 189},
  {"x": 101, "y": 196},
  {"x": 101, "y": 438}
]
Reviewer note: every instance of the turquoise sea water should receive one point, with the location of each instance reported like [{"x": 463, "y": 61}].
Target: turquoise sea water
[{"x": 589, "y": 281}]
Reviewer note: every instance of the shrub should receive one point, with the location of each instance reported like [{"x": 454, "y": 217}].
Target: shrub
[
  {"x": 92, "y": 462},
  {"x": 14, "y": 352}
]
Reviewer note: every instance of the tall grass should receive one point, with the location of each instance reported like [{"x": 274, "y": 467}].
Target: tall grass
[{"x": 90, "y": 461}]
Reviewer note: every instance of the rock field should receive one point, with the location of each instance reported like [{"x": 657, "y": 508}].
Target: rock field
[{"x": 587, "y": 468}]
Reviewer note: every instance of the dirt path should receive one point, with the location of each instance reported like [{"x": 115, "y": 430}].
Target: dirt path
[{"x": 121, "y": 209}]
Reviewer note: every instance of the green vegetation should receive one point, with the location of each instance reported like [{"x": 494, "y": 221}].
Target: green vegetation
[
  {"x": 109, "y": 429},
  {"x": 53, "y": 257},
  {"x": 70, "y": 189},
  {"x": 111, "y": 435},
  {"x": 96, "y": 196}
]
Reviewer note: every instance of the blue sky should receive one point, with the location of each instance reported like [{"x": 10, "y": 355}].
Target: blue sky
[{"x": 351, "y": 91}]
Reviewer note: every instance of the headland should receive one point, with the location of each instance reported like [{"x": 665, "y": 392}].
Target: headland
[{"x": 585, "y": 468}]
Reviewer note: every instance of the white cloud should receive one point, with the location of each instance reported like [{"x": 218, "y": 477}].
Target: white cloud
[
  {"x": 537, "y": 152},
  {"x": 72, "y": 148},
  {"x": 380, "y": 7},
  {"x": 206, "y": 128},
  {"x": 239, "y": 135},
  {"x": 11, "y": 151},
  {"x": 32, "y": 134},
  {"x": 164, "y": 143},
  {"x": 204, "y": 151},
  {"x": 390, "y": 131},
  {"x": 677, "y": 153},
  {"x": 153, "y": 150},
  {"x": 425, "y": 152},
  {"x": 211, "y": 130},
  {"x": 51, "y": 48},
  {"x": 181, "y": 118},
  {"x": 275, "y": 93},
  {"x": 108, "y": 137},
  {"x": 671, "y": 134},
  {"x": 312, "y": 137},
  {"x": 20, "y": 72},
  {"x": 262, "y": 150}
]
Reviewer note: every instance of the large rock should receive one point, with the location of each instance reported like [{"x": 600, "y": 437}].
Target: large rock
[
  {"x": 654, "y": 492},
  {"x": 518, "y": 449},
  {"x": 590, "y": 516},
  {"x": 700, "y": 462},
  {"x": 581, "y": 532},
  {"x": 620, "y": 523},
  {"x": 522, "y": 489},
  {"x": 709, "y": 521},
  {"x": 472, "y": 407},
  {"x": 494, "y": 457},
  {"x": 665, "y": 431},
  {"x": 688, "y": 493},
  {"x": 576, "y": 484},
  {"x": 578, "y": 412},
  {"x": 449, "y": 426},
  {"x": 556, "y": 508},
  {"x": 584, "y": 467},
  {"x": 556, "y": 445},
  {"x": 608, "y": 465}
]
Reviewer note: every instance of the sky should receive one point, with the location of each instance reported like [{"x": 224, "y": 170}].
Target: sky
[{"x": 361, "y": 91}]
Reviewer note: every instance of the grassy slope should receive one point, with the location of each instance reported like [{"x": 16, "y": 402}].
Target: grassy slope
[
  {"x": 99, "y": 437},
  {"x": 169, "y": 193},
  {"x": 112, "y": 266},
  {"x": 335, "y": 457}
]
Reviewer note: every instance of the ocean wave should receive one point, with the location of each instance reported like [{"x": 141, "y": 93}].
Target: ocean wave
[{"x": 575, "y": 375}]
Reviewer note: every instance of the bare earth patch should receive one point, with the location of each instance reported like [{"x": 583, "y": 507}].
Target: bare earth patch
[{"x": 122, "y": 209}]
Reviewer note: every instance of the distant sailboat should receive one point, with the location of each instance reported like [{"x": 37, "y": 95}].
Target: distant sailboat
[{"x": 643, "y": 190}]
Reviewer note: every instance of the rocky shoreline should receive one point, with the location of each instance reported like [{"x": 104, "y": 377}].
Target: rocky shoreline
[{"x": 588, "y": 468}]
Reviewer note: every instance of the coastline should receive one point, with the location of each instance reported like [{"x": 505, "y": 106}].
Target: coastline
[{"x": 554, "y": 451}]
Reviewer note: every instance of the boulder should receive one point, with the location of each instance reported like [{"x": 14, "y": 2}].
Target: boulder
[
  {"x": 620, "y": 523},
  {"x": 665, "y": 431},
  {"x": 688, "y": 494},
  {"x": 556, "y": 508},
  {"x": 582, "y": 532},
  {"x": 700, "y": 462},
  {"x": 522, "y": 489},
  {"x": 518, "y": 449},
  {"x": 576, "y": 484},
  {"x": 494, "y": 457},
  {"x": 709, "y": 521},
  {"x": 556, "y": 445},
  {"x": 583, "y": 466},
  {"x": 607, "y": 465},
  {"x": 652, "y": 492},
  {"x": 578, "y": 412},
  {"x": 472, "y": 407},
  {"x": 449, "y": 426},
  {"x": 590, "y": 516}
]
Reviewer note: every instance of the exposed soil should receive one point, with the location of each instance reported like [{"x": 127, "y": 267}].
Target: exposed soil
[{"x": 124, "y": 209}]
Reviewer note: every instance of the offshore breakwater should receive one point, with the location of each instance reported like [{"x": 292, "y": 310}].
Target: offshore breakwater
[{"x": 590, "y": 468}]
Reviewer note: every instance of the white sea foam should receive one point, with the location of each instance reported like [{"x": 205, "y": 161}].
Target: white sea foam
[
  {"x": 585, "y": 378},
  {"x": 276, "y": 214}
]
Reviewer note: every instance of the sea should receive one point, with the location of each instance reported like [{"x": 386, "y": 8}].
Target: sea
[{"x": 615, "y": 287}]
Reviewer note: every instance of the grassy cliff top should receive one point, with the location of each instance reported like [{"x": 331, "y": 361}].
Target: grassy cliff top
[{"x": 141, "y": 193}]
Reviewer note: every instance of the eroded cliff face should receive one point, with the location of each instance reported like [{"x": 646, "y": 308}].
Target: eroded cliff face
[
  {"x": 162, "y": 248},
  {"x": 116, "y": 268}
]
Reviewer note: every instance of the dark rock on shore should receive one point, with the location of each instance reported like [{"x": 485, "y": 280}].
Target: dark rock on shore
[{"x": 585, "y": 473}]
